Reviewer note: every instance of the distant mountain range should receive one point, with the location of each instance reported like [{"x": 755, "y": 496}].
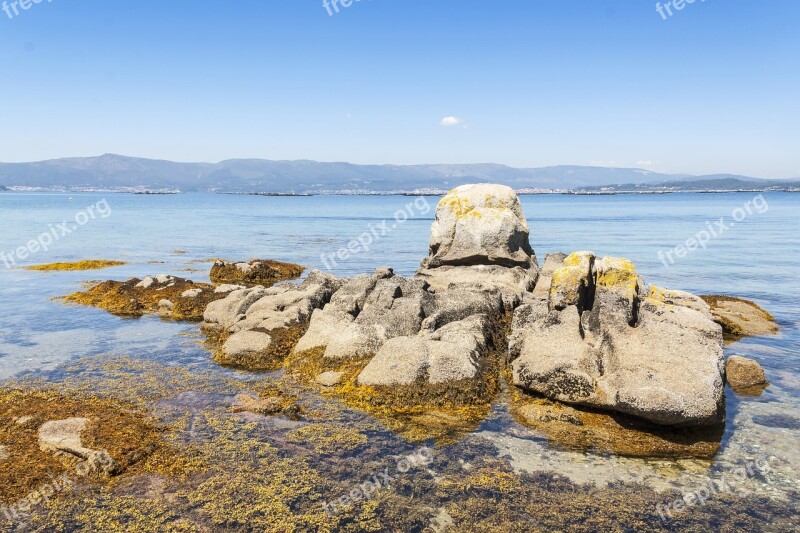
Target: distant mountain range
[
  {"x": 115, "y": 172},
  {"x": 713, "y": 183}
]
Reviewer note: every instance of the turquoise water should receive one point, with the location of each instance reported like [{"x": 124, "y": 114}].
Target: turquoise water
[{"x": 756, "y": 258}]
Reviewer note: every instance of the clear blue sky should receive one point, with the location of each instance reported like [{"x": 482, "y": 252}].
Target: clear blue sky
[{"x": 714, "y": 88}]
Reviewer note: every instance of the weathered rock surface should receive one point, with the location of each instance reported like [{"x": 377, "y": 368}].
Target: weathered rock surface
[
  {"x": 745, "y": 376},
  {"x": 740, "y": 318},
  {"x": 603, "y": 339},
  {"x": 258, "y": 272},
  {"x": 258, "y": 327},
  {"x": 479, "y": 241}
]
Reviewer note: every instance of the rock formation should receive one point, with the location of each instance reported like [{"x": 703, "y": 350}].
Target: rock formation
[
  {"x": 479, "y": 240},
  {"x": 602, "y": 338}
]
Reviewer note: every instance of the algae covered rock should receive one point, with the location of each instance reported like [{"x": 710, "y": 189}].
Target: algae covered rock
[
  {"x": 168, "y": 296},
  {"x": 740, "y": 318},
  {"x": 745, "y": 376},
  {"x": 603, "y": 340},
  {"x": 258, "y": 272}
]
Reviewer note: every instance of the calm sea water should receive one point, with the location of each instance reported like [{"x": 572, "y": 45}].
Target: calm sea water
[{"x": 757, "y": 257}]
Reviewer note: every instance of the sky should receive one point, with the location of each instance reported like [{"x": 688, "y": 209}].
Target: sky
[{"x": 713, "y": 88}]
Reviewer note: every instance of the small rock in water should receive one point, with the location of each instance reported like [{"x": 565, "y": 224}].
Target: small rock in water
[
  {"x": 64, "y": 436},
  {"x": 254, "y": 404},
  {"x": 330, "y": 379},
  {"x": 745, "y": 376}
]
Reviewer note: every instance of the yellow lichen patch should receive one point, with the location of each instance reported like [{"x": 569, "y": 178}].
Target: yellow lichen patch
[
  {"x": 459, "y": 206},
  {"x": 582, "y": 259},
  {"x": 258, "y": 272},
  {"x": 617, "y": 273},
  {"x": 740, "y": 318},
  {"x": 90, "y": 264}
]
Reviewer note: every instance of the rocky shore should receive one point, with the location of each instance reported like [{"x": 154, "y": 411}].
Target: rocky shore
[{"x": 589, "y": 350}]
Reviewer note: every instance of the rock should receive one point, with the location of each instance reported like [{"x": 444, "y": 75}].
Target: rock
[
  {"x": 452, "y": 353},
  {"x": 252, "y": 403},
  {"x": 259, "y": 272},
  {"x": 740, "y": 318},
  {"x": 479, "y": 241},
  {"x": 64, "y": 436},
  {"x": 227, "y": 288},
  {"x": 165, "y": 308},
  {"x": 243, "y": 347},
  {"x": 192, "y": 293},
  {"x": 480, "y": 225},
  {"x": 329, "y": 379},
  {"x": 745, "y": 376},
  {"x": 259, "y": 327},
  {"x": 4, "y": 454},
  {"x": 23, "y": 420},
  {"x": 551, "y": 263},
  {"x": 603, "y": 342}
]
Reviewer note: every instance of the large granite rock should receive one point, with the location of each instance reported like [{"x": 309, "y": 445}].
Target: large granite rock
[
  {"x": 479, "y": 241},
  {"x": 602, "y": 338}
]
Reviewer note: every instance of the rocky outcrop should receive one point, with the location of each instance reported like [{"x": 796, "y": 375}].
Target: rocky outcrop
[
  {"x": 479, "y": 241},
  {"x": 745, "y": 376},
  {"x": 602, "y": 338},
  {"x": 258, "y": 272},
  {"x": 257, "y": 327}
]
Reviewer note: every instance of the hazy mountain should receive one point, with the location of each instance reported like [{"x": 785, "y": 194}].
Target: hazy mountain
[{"x": 258, "y": 175}]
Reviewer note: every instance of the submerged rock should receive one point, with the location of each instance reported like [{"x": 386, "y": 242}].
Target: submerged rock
[
  {"x": 740, "y": 318},
  {"x": 258, "y": 272},
  {"x": 745, "y": 376},
  {"x": 603, "y": 339}
]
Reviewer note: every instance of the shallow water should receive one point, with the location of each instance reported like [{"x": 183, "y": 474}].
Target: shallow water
[{"x": 757, "y": 258}]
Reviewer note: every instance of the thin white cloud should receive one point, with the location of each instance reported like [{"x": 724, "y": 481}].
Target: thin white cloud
[{"x": 451, "y": 121}]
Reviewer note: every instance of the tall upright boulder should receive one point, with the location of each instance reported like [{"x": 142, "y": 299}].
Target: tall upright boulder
[{"x": 479, "y": 241}]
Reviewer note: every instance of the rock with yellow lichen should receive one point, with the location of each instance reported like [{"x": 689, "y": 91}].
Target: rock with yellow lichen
[
  {"x": 479, "y": 241},
  {"x": 602, "y": 338}
]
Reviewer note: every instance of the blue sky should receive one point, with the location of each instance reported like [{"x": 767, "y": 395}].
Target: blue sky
[{"x": 714, "y": 88}]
